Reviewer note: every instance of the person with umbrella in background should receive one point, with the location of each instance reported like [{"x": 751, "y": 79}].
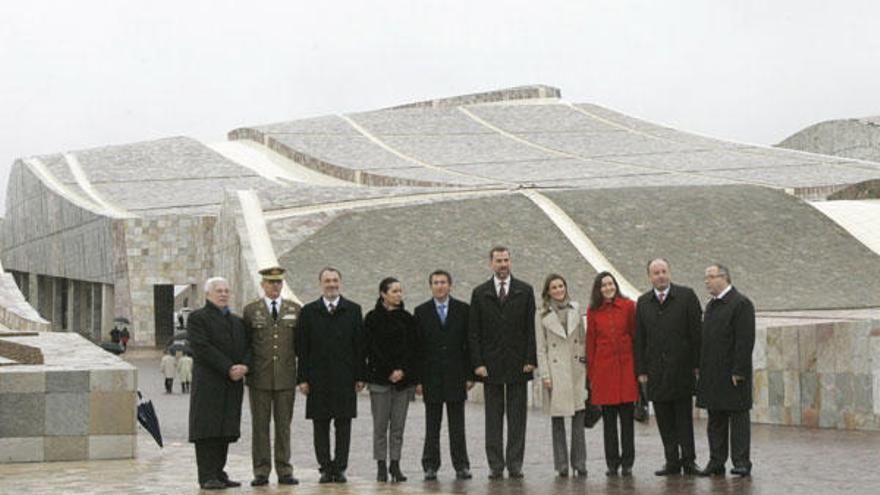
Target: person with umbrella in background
[{"x": 221, "y": 359}]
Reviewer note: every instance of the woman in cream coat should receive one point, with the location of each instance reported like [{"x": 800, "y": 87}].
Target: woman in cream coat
[{"x": 559, "y": 335}]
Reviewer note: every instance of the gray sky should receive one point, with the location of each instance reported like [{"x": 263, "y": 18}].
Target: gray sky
[{"x": 91, "y": 73}]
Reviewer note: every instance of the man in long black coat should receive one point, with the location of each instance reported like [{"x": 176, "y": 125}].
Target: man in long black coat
[
  {"x": 221, "y": 356},
  {"x": 668, "y": 320},
  {"x": 331, "y": 371},
  {"x": 725, "y": 386},
  {"x": 446, "y": 373},
  {"x": 503, "y": 353}
]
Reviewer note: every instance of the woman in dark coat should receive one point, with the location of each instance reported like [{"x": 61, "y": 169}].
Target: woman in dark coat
[
  {"x": 611, "y": 327},
  {"x": 221, "y": 354},
  {"x": 392, "y": 347}
]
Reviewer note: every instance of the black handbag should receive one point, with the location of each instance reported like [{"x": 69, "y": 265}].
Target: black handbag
[
  {"x": 592, "y": 413},
  {"x": 640, "y": 413}
]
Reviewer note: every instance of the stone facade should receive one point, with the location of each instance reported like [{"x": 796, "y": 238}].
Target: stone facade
[
  {"x": 80, "y": 404},
  {"x": 819, "y": 374}
]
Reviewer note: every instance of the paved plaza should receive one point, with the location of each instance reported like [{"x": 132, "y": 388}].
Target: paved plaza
[{"x": 788, "y": 460}]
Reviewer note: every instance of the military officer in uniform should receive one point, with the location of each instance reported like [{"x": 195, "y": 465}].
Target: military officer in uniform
[{"x": 271, "y": 323}]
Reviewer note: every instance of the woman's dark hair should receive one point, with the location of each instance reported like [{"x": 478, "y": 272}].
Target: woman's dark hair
[
  {"x": 385, "y": 285},
  {"x": 596, "y": 297},
  {"x": 545, "y": 292}
]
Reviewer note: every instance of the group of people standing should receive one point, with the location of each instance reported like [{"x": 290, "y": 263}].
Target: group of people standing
[
  {"x": 179, "y": 366},
  {"x": 329, "y": 352}
]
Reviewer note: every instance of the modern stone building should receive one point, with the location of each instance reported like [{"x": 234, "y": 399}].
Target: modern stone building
[{"x": 570, "y": 187}]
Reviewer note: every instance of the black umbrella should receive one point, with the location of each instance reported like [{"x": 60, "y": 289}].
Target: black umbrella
[
  {"x": 113, "y": 347},
  {"x": 121, "y": 319},
  {"x": 147, "y": 418}
]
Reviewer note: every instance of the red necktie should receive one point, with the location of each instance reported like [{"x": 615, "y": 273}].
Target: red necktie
[
  {"x": 661, "y": 297},
  {"x": 502, "y": 294}
]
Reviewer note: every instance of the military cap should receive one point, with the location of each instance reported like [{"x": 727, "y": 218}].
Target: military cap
[{"x": 272, "y": 273}]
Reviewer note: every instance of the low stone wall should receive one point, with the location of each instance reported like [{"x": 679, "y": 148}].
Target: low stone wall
[
  {"x": 80, "y": 404},
  {"x": 819, "y": 374}
]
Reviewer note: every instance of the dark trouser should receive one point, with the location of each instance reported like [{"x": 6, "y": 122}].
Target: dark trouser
[
  {"x": 277, "y": 404},
  {"x": 675, "y": 420},
  {"x": 211, "y": 458},
  {"x": 169, "y": 382},
  {"x": 623, "y": 453},
  {"x": 339, "y": 463},
  {"x": 577, "y": 456},
  {"x": 738, "y": 425},
  {"x": 510, "y": 398},
  {"x": 457, "y": 442}
]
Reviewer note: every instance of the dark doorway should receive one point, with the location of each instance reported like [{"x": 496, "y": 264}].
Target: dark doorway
[{"x": 163, "y": 309}]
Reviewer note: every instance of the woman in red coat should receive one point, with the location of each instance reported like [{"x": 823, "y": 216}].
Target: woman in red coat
[{"x": 611, "y": 325}]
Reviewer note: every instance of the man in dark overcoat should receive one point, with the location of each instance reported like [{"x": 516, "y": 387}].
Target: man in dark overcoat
[
  {"x": 330, "y": 371},
  {"x": 504, "y": 355},
  {"x": 725, "y": 386},
  {"x": 221, "y": 356},
  {"x": 271, "y": 325},
  {"x": 446, "y": 374},
  {"x": 668, "y": 328}
]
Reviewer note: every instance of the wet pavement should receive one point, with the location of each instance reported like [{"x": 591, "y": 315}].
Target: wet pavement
[{"x": 787, "y": 460}]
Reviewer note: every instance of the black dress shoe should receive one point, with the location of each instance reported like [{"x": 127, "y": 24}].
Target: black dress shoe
[
  {"x": 339, "y": 477},
  {"x": 712, "y": 470},
  {"x": 496, "y": 475},
  {"x": 626, "y": 471},
  {"x": 562, "y": 473},
  {"x": 580, "y": 473},
  {"x": 611, "y": 471},
  {"x": 430, "y": 475},
  {"x": 741, "y": 471},
  {"x": 518, "y": 475},
  {"x": 668, "y": 470},
  {"x": 230, "y": 483},
  {"x": 287, "y": 480},
  {"x": 326, "y": 477},
  {"x": 690, "y": 469},
  {"x": 213, "y": 485},
  {"x": 463, "y": 474},
  {"x": 260, "y": 481}
]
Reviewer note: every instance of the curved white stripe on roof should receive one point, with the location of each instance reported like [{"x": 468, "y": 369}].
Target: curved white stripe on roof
[
  {"x": 860, "y": 218},
  {"x": 271, "y": 165},
  {"x": 39, "y": 169},
  {"x": 259, "y": 240},
  {"x": 385, "y": 146},
  {"x": 579, "y": 240},
  {"x": 82, "y": 181},
  {"x": 403, "y": 199}
]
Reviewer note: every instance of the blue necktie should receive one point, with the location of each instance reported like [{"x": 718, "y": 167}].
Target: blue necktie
[{"x": 441, "y": 312}]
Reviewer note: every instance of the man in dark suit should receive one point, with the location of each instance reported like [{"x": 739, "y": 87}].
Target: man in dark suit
[
  {"x": 221, "y": 356},
  {"x": 330, "y": 370},
  {"x": 725, "y": 386},
  {"x": 503, "y": 353},
  {"x": 446, "y": 374},
  {"x": 668, "y": 320}
]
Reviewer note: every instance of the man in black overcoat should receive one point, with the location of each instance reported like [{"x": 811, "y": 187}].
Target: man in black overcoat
[
  {"x": 221, "y": 356},
  {"x": 446, "y": 374},
  {"x": 725, "y": 386},
  {"x": 668, "y": 328},
  {"x": 503, "y": 353},
  {"x": 330, "y": 371}
]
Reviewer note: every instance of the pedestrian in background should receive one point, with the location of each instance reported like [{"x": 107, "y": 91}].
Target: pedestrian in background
[
  {"x": 184, "y": 372},
  {"x": 168, "y": 367}
]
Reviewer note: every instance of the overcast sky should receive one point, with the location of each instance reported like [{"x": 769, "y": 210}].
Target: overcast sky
[{"x": 90, "y": 73}]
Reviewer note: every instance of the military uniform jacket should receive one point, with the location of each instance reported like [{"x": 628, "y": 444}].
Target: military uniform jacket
[
  {"x": 218, "y": 341},
  {"x": 668, "y": 342},
  {"x": 272, "y": 345}
]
